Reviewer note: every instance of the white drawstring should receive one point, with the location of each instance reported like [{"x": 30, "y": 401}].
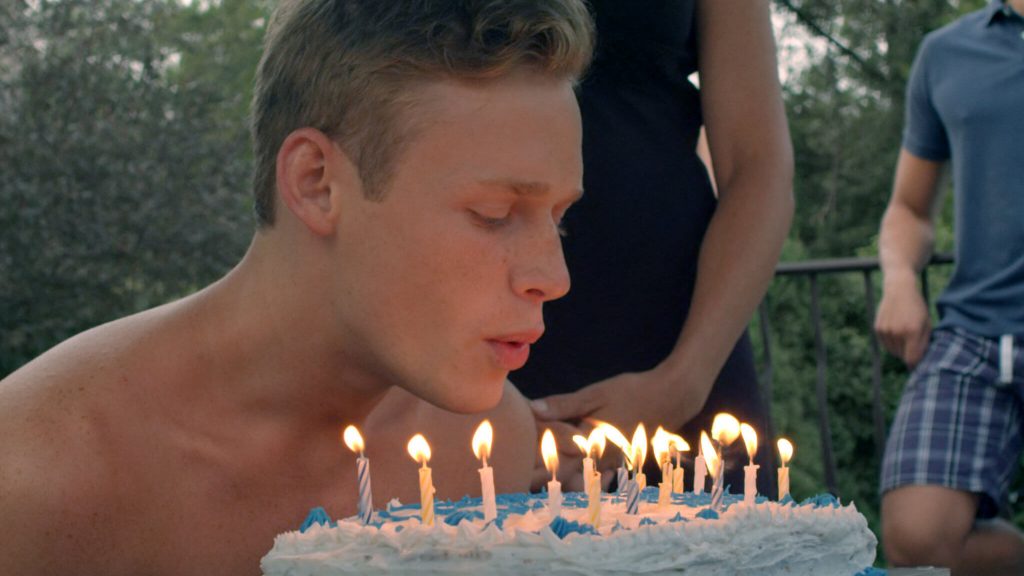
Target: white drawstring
[{"x": 1006, "y": 359}]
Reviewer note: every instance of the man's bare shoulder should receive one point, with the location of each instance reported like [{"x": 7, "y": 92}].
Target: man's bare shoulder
[
  {"x": 60, "y": 474},
  {"x": 52, "y": 477}
]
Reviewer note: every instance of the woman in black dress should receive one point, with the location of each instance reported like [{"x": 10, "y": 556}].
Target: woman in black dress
[{"x": 665, "y": 276}]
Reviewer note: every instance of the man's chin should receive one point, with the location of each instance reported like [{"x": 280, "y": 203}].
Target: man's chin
[{"x": 469, "y": 398}]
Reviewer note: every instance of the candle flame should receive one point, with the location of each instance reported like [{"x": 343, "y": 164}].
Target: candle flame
[
  {"x": 419, "y": 449},
  {"x": 676, "y": 442},
  {"x": 549, "y": 451},
  {"x": 353, "y": 439},
  {"x": 482, "y": 441},
  {"x": 749, "y": 438},
  {"x": 612, "y": 434},
  {"x": 597, "y": 441},
  {"x": 581, "y": 443},
  {"x": 710, "y": 455},
  {"x": 785, "y": 451},
  {"x": 639, "y": 447},
  {"x": 661, "y": 443},
  {"x": 725, "y": 429}
]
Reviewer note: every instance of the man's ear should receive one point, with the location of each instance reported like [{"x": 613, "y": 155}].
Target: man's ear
[{"x": 310, "y": 172}]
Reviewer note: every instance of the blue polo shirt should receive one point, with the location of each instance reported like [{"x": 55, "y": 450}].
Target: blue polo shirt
[{"x": 965, "y": 103}]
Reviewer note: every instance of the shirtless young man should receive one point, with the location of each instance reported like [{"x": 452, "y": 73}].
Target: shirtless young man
[{"x": 413, "y": 161}]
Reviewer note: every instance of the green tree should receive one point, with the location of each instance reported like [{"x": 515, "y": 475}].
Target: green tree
[{"x": 125, "y": 162}]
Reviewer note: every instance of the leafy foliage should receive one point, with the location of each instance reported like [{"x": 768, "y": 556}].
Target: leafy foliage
[{"x": 125, "y": 177}]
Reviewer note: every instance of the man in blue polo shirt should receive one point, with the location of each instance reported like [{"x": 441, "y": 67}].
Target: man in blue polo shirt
[{"x": 956, "y": 440}]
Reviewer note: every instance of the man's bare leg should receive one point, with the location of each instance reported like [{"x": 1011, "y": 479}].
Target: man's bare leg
[{"x": 936, "y": 526}]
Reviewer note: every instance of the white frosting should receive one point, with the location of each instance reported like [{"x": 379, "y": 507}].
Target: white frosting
[{"x": 763, "y": 539}]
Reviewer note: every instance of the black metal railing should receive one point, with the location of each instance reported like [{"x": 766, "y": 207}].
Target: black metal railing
[{"x": 812, "y": 270}]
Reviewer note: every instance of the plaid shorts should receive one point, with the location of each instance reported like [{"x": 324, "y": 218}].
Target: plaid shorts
[{"x": 957, "y": 425}]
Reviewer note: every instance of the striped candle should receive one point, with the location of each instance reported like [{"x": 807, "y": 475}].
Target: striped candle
[
  {"x": 354, "y": 440},
  {"x": 365, "y": 496}
]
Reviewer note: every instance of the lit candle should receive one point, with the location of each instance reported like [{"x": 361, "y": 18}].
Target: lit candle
[
  {"x": 635, "y": 452},
  {"x": 612, "y": 434},
  {"x": 354, "y": 440},
  {"x": 785, "y": 454},
  {"x": 420, "y": 452},
  {"x": 592, "y": 448},
  {"x": 678, "y": 446},
  {"x": 713, "y": 463},
  {"x": 588, "y": 462},
  {"x": 594, "y": 501},
  {"x": 482, "y": 449},
  {"x": 661, "y": 445},
  {"x": 725, "y": 429},
  {"x": 550, "y": 453},
  {"x": 639, "y": 446},
  {"x": 700, "y": 471},
  {"x": 750, "y": 470}
]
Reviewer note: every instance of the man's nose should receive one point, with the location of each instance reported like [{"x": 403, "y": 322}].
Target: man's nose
[{"x": 541, "y": 273}]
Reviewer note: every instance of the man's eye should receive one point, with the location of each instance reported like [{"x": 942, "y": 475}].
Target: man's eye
[{"x": 489, "y": 220}]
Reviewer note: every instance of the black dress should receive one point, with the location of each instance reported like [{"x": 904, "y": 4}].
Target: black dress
[{"x": 634, "y": 239}]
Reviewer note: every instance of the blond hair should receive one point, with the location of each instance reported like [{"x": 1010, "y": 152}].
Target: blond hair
[{"x": 347, "y": 68}]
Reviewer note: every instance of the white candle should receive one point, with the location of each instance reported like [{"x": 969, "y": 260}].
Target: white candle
[
  {"x": 482, "y": 439},
  {"x": 750, "y": 483},
  {"x": 594, "y": 501},
  {"x": 663, "y": 450},
  {"x": 641, "y": 481},
  {"x": 354, "y": 440},
  {"x": 677, "y": 480},
  {"x": 678, "y": 446},
  {"x": 588, "y": 474},
  {"x": 555, "y": 498},
  {"x": 785, "y": 454},
  {"x": 700, "y": 474},
  {"x": 549, "y": 451},
  {"x": 665, "y": 488},
  {"x": 749, "y": 471},
  {"x": 487, "y": 489}
]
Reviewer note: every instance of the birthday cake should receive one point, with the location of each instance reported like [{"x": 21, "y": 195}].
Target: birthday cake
[{"x": 818, "y": 537}]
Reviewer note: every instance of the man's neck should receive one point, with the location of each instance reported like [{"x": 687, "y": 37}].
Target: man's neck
[
  {"x": 1017, "y": 5},
  {"x": 279, "y": 349}
]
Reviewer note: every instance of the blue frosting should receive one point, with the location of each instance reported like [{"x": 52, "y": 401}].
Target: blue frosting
[
  {"x": 562, "y": 527},
  {"x": 821, "y": 501},
  {"x": 872, "y": 572},
  {"x": 708, "y": 514},
  {"x": 316, "y": 516},
  {"x": 457, "y": 516},
  {"x": 678, "y": 518},
  {"x": 787, "y": 500},
  {"x": 647, "y": 522}
]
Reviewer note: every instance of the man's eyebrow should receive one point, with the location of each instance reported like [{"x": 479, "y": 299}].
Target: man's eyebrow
[{"x": 526, "y": 187}]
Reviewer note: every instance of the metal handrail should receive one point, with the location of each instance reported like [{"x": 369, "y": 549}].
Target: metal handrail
[{"x": 812, "y": 269}]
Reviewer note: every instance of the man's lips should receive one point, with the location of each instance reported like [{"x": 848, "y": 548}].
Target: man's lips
[{"x": 512, "y": 350}]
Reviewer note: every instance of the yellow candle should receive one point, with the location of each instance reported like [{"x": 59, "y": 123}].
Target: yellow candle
[{"x": 420, "y": 452}]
